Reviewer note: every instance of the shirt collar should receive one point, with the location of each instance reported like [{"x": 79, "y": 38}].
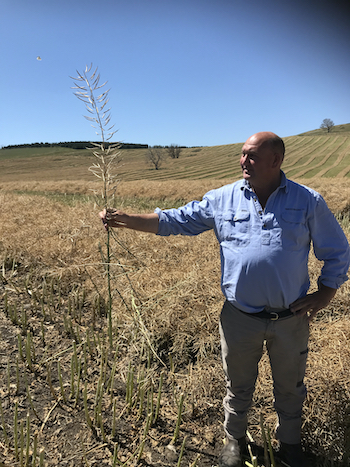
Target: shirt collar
[{"x": 283, "y": 183}]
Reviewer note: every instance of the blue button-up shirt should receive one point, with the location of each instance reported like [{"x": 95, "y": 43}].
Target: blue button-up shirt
[{"x": 264, "y": 252}]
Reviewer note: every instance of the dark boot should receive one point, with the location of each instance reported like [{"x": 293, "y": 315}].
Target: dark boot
[
  {"x": 292, "y": 455},
  {"x": 231, "y": 455}
]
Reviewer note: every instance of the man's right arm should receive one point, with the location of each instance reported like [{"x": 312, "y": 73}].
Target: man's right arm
[{"x": 141, "y": 222}]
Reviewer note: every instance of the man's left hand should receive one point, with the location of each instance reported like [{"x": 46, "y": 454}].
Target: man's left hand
[{"x": 314, "y": 302}]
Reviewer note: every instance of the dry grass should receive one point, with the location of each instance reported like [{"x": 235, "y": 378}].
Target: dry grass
[
  {"x": 175, "y": 282},
  {"x": 336, "y": 191}
]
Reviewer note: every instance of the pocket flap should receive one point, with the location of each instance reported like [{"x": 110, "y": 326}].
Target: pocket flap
[
  {"x": 239, "y": 215},
  {"x": 294, "y": 217}
]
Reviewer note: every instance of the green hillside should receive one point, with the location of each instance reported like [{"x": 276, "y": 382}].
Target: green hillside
[{"x": 311, "y": 154}]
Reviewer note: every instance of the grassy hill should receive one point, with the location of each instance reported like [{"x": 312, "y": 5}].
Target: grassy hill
[
  {"x": 312, "y": 154},
  {"x": 344, "y": 128}
]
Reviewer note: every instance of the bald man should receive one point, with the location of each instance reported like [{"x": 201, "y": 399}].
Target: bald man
[{"x": 264, "y": 224}]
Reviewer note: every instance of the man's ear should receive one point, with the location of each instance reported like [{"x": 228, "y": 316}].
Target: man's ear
[{"x": 277, "y": 160}]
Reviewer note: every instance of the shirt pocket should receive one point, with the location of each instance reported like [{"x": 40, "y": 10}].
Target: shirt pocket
[
  {"x": 295, "y": 233},
  {"x": 235, "y": 227}
]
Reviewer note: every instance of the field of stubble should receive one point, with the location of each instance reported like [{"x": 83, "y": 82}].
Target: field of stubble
[{"x": 151, "y": 396}]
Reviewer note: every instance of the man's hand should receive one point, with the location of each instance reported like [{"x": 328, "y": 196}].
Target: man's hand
[
  {"x": 112, "y": 218},
  {"x": 141, "y": 222},
  {"x": 314, "y": 302}
]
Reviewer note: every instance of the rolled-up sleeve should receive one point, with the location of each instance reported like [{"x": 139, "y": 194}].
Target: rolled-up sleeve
[
  {"x": 192, "y": 219},
  {"x": 330, "y": 246}
]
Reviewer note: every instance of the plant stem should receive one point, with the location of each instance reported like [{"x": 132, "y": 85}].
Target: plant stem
[
  {"x": 178, "y": 422},
  {"x": 108, "y": 268}
]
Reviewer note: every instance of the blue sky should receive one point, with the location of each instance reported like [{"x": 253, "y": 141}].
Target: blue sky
[{"x": 187, "y": 72}]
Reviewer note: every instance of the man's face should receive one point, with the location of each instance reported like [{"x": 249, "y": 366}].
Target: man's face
[{"x": 257, "y": 161}]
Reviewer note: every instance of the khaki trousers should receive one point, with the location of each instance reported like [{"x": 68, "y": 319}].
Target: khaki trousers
[{"x": 242, "y": 340}]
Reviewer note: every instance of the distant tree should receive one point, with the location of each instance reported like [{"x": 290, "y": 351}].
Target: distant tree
[
  {"x": 155, "y": 156},
  {"x": 174, "y": 151},
  {"x": 328, "y": 124}
]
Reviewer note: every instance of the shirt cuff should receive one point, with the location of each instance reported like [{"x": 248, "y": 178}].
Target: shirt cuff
[{"x": 332, "y": 282}]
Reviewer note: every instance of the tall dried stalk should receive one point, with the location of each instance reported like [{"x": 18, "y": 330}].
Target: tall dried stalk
[{"x": 107, "y": 155}]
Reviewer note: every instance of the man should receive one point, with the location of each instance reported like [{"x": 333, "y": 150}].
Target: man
[{"x": 264, "y": 224}]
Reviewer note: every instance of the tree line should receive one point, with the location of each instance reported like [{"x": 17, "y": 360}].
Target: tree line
[
  {"x": 74, "y": 145},
  {"x": 155, "y": 155}
]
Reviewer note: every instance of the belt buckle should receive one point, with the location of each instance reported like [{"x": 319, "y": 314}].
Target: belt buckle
[{"x": 274, "y": 316}]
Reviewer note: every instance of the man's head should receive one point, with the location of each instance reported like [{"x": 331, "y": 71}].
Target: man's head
[{"x": 261, "y": 159}]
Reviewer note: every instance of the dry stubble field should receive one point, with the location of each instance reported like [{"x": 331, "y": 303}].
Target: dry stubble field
[{"x": 68, "y": 394}]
